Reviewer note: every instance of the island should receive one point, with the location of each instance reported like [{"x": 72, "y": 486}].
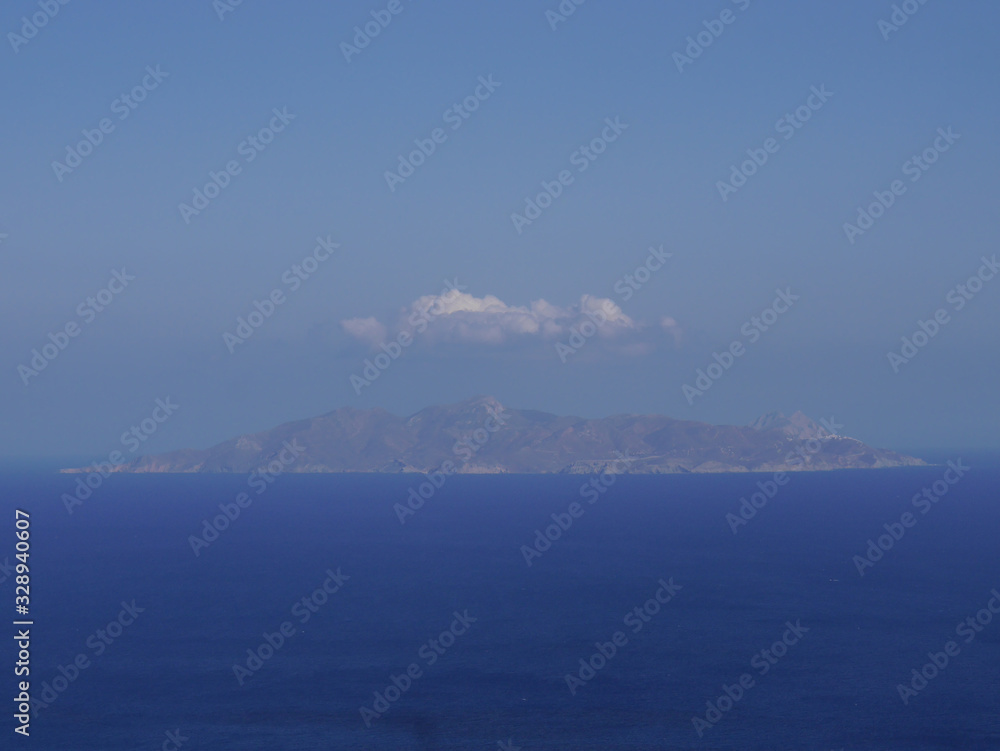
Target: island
[{"x": 481, "y": 435}]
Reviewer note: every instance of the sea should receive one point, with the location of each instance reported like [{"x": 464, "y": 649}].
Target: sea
[{"x": 855, "y": 609}]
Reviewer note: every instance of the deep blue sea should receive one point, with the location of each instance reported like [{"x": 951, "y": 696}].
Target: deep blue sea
[{"x": 490, "y": 640}]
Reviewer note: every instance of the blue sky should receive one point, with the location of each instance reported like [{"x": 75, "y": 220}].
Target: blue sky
[{"x": 551, "y": 91}]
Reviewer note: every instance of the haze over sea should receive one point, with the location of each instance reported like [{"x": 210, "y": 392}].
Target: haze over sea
[{"x": 393, "y": 589}]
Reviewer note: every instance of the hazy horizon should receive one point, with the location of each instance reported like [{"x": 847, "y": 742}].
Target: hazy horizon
[{"x": 933, "y": 454}]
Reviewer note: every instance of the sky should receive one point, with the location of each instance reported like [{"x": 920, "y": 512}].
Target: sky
[{"x": 709, "y": 210}]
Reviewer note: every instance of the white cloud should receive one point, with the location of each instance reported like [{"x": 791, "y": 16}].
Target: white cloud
[
  {"x": 367, "y": 330},
  {"x": 671, "y": 326},
  {"x": 459, "y": 317}
]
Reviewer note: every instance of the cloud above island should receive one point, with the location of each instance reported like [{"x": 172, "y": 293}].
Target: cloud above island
[{"x": 457, "y": 317}]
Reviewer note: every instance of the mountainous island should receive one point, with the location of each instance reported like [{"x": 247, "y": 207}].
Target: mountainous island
[{"x": 481, "y": 435}]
